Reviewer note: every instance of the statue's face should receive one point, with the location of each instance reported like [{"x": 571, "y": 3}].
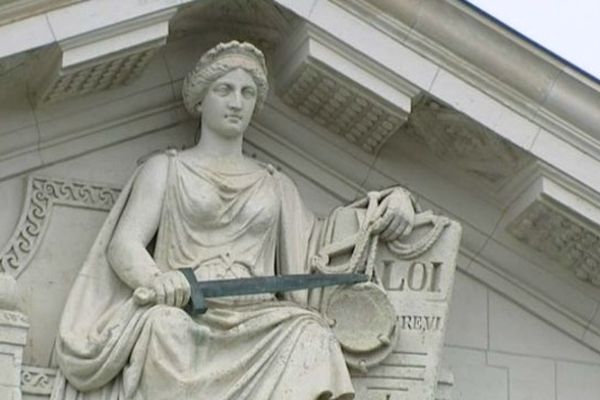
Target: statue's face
[{"x": 229, "y": 103}]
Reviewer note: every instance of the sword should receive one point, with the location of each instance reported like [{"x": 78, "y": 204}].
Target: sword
[{"x": 200, "y": 290}]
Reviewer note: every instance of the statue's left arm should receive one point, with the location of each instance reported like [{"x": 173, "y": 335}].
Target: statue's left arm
[{"x": 302, "y": 233}]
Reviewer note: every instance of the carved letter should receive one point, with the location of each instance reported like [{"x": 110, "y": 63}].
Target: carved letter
[{"x": 415, "y": 282}]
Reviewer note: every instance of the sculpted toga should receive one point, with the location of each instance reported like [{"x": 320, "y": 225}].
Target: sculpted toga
[{"x": 210, "y": 208}]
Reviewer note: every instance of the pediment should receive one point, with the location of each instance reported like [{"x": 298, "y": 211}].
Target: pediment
[{"x": 364, "y": 96}]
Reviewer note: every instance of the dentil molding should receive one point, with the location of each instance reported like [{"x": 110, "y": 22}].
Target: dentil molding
[{"x": 42, "y": 195}]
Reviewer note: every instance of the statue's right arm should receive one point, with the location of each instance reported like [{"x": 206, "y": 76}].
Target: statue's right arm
[{"x": 139, "y": 222}]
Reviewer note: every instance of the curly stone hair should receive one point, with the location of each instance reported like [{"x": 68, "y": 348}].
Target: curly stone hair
[{"x": 217, "y": 62}]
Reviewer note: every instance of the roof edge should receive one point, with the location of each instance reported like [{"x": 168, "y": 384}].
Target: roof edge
[{"x": 514, "y": 70}]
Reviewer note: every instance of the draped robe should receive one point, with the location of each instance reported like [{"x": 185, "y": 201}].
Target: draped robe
[{"x": 254, "y": 347}]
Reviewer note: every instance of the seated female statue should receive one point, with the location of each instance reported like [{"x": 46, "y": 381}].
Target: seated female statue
[{"x": 226, "y": 216}]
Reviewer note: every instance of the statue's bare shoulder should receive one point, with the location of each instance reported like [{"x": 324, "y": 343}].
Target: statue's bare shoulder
[
  {"x": 142, "y": 214},
  {"x": 152, "y": 177}
]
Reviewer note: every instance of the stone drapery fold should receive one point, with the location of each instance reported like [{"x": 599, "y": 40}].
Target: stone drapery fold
[{"x": 109, "y": 348}]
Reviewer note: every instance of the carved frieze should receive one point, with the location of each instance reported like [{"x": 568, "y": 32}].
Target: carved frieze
[
  {"x": 565, "y": 238},
  {"x": 456, "y": 139},
  {"x": 42, "y": 194},
  {"x": 36, "y": 380},
  {"x": 13, "y": 319},
  {"x": 39, "y": 381}
]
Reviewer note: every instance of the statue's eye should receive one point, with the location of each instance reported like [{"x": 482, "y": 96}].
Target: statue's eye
[
  {"x": 249, "y": 92},
  {"x": 222, "y": 89}
]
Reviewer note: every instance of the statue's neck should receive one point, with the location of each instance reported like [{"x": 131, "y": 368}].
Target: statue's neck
[{"x": 215, "y": 145}]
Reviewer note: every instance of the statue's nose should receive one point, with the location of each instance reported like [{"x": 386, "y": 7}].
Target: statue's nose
[{"x": 235, "y": 102}]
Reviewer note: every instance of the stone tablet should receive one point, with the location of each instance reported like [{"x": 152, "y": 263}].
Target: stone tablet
[
  {"x": 419, "y": 285},
  {"x": 392, "y": 328}
]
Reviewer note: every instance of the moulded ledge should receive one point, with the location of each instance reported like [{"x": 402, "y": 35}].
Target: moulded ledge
[
  {"x": 340, "y": 89},
  {"x": 560, "y": 218}
]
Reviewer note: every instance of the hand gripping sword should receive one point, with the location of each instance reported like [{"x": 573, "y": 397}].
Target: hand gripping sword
[{"x": 200, "y": 290}]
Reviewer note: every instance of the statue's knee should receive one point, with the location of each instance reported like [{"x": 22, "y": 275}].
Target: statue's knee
[{"x": 162, "y": 315}]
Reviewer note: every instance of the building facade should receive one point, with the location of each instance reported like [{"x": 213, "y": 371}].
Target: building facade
[{"x": 478, "y": 123}]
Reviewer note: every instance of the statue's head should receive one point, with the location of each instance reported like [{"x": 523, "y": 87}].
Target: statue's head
[{"x": 218, "y": 61}]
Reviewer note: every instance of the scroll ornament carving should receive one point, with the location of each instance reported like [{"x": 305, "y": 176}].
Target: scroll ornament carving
[
  {"x": 42, "y": 194},
  {"x": 561, "y": 238},
  {"x": 13, "y": 318},
  {"x": 37, "y": 381}
]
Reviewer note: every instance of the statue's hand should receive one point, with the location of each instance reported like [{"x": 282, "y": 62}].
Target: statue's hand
[
  {"x": 171, "y": 288},
  {"x": 395, "y": 216}
]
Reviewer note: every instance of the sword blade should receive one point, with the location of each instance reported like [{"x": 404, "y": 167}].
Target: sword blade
[{"x": 275, "y": 284}]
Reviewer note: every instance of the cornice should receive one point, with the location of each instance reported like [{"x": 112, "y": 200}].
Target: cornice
[
  {"x": 14, "y": 10},
  {"x": 507, "y": 68},
  {"x": 58, "y": 25},
  {"x": 93, "y": 45},
  {"x": 340, "y": 89},
  {"x": 560, "y": 218}
]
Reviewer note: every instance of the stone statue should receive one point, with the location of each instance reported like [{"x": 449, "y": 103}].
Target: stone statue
[{"x": 226, "y": 216}]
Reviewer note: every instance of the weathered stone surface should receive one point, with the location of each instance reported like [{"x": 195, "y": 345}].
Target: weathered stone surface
[{"x": 496, "y": 83}]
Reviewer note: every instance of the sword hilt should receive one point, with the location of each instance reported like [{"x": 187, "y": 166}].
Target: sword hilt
[
  {"x": 197, "y": 303},
  {"x": 195, "y": 306}
]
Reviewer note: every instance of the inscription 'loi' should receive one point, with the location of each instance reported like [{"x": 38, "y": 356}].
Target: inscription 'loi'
[
  {"x": 419, "y": 276},
  {"x": 420, "y": 323}
]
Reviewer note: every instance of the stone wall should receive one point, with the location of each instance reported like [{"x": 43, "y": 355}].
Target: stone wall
[
  {"x": 518, "y": 323},
  {"x": 498, "y": 350}
]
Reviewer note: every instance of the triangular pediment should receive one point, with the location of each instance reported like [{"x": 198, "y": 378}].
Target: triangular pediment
[{"x": 478, "y": 123}]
